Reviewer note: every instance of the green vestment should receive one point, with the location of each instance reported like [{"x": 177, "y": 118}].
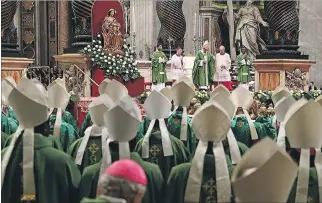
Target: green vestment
[
  {"x": 243, "y": 68},
  {"x": 174, "y": 128},
  {"x": 92, "y": 153},
  {"x": 241, "y": 130},
  {"x": 159, "y": 74},
  {"x": 180, "y": 153},
  {"x": 69, "y": 118},
  {"x": 56, "y": 175},
  {"x": 67, "y": 132},
  {"x": 199, "y": 72},
  {"x": 178, "y": 178},
  {"x": 143, "y": 128},
  {"x": 86, "y": 123},
  {"x": 4, "y": 138},
  {"x": 8, "y": 125},
  {"x": 313, "y": 193},
  {"x": 155, "y": 189}
]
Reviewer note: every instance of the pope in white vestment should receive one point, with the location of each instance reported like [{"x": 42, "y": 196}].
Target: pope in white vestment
[
  {"x": 223, "y": 63},
  {"x": 177, "y": 66}
]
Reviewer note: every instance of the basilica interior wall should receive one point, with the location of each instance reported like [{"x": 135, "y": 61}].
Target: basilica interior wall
[{"x": 311, "y": 35}]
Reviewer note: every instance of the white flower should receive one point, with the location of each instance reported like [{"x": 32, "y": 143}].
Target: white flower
[
  {"x": 124, "y": 46},
  {"x": 99, "y": 50},
  {"x": 110, "y": 67},
  {"x": 100, "y": 46},
  {"x": 89, "y": 50},
  {"x": 89, "y": 46},
  {"x": 94, "y": 52},
  {"x": 113, "y": 59},
  {"x": 136, "y": 68},
  {"x": 98, "y": 35},
  {"x": 96, "y": 46},
  {"x": 102, "y": 53},
  {"x": 126, "y": 54},
  {"x": 114, "y": 71},
  {"x": 131, "y": 71},
  {"x": 105, "y": 61},
  {"x": 99, "y": 42},
  {"x": 117, "y": 56},
  {"x": 85, "y": 48},
  {"x": 109, "y": 63},
  {"x": 105, "y": 56},
  {"x": 94, "y": 41},
  {"x": 93, "y": 59},
  {"x": 110, "y": 54},
  {"x": 108, "y": 71},
  {"x": 123, "y": 66},
  {"x": 130, "y": 48},
  {"x": 101, "y": 58},
  {"x": 117, "y": 68},
  {"x": 127, "y": 71},
  {"x": 114, "y": 64},
  {"x": 96, "y": 55},
  {"x": 124, "y": 62}
]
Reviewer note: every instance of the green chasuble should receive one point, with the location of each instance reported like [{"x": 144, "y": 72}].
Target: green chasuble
[
  {"x": 56, "y": 175},
  {"x": 159, "y": 74},
  {"x": 69, "y": 118},
  {"x": 155, "y": 189},
  {"x": 178, "y": 178},
  {"x": 86, "y": 123},
  {"x": 241, "y": 130},
  {"x": 268, "y": 126},
  {"x": 67, "y": 132},
  {"x": 199, "y": 72},
  {"x": 174, "y": 128},
  {"x": 55, "y": 142},
  {"x": 243, "y": 68},
  {"x": 313, "y": 193},
  {"x": 180, "y": 153},
  {"x": 4, "y": 138},
  {"x": 8, "y": 125},
  {"x": 92, "y": 153},
  {"x": 143, "y": 128}
]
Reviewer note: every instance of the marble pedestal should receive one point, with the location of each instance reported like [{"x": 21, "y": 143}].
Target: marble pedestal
[
  {"x": 14, "y": 67},
  {"x": 75, "y": 77},
  {"x": 270, "y": 73}
]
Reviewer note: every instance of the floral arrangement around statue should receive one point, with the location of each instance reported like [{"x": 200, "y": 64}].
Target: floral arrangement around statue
[{"x": 114, "y": 65}]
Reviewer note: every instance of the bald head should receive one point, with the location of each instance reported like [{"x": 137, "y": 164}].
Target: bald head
[{"x": 222, "y": 50}]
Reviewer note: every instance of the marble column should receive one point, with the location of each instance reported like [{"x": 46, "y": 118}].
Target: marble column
[
  {"x": 145, "y": 39},
  {"x": 63, "y": 29},
  {"x": 190, "y": 10}
]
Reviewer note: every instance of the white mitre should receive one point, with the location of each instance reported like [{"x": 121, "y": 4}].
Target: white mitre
[
  {"x": 224, "y": 101},
  {"x": 58, "y": 97},
  {"x": 157, "y": 107},
  {"x": 7, "y": 85},
  {"x": 211, "y": 123},
  {"x": 96, "y": 109},
  {"x": 256, "y": 168},
  {"x": 114, "y": 89},
  {"x": 280, "y": 92},
  {"x": 182, "y": 92},
  {"x": 122, "y": 122},
  {"x": 241, "y": 97},
  {"x": 303, "y": 128},
  {"x": 30, "y": 106},
  {"x": 319, "y": 99},
  {"x": 281, "y": 108},
  {"x": 220, "y": 89}
]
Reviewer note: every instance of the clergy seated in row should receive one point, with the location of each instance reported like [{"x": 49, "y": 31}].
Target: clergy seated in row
[
  {"x": 245, "y": 130},
  {"x": 88, "y": 150},
  {"x": 179, "y": 124},
  {"x": 234, "y": 149},
  {"x": 265, "y": 174},
  {"x": 158, "y": 146},
  {"x": 122, "y": 182},
  {"x": 122, "y": 121},
  {"x": 48, "y": 175},
  {"x": 303, "y": 142},
  {"x": 45, "y": 127},
  {"x": 114, "y": 89},
  {"x": 207, "y": 177},
  {"x": 9, "y": 124}
]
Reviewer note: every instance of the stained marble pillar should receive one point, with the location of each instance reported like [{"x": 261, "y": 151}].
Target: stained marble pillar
[
  {"x": 191, "y": 13},
  {"x": 63, "y": 29},
  {"x": 144, "y": 27}
]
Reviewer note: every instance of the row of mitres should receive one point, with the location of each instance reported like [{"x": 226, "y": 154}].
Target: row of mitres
[{"x": 128, "y": 112}]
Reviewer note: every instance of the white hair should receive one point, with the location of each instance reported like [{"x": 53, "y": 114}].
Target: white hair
[{"x": 119, "y": 188}]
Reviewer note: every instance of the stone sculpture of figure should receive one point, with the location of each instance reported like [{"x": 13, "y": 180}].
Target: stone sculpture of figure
[
  {"x": 248, "y": 29},
  {"x": 113, "y": 39}
]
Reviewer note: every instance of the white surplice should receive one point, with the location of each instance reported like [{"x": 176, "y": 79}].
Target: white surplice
[
  {"x": 222, "y": 74},
  {"x": 177, "y": 67}
]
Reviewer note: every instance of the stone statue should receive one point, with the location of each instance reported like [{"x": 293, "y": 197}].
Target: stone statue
[
  {"x": 113, "y": 38},
  {"x": 247, "y": 34},
  {"x": 173, "y": 23}
]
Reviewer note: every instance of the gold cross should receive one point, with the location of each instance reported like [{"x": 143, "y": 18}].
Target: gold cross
[
  {"x": 154, "y": 150},
  {"x": 210, "y": 186},
  {"x": 240, "y": 123},
  {"x": 93, "y": 148}
]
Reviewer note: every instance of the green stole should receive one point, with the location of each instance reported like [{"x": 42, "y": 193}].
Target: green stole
[
  {"x": 155, "y": 189},
  {"x": 86, "y": 123},
  {"x": 178, "y": 178},
  {"x": 56, "y": 175},
  {"x": 92, "y": 153},
  {"x": 174, "y": 128},
  {"x": 159, "y": 74},
  {"x": 8, "y": 125},
  {"x": 156, "y": 156},
  {"x": 69, "y": 118}
]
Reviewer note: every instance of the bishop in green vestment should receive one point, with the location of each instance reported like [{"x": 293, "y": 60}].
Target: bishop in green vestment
[
  {"x": 203, "y": 65},
  {"x": 69, "y": 118},
  {"x": 86, "y": 123},
  {"x": 8, "y": 125},
  {"x": 159, "y": 62},
  {"x": 155, "y": 189},
  {"x": 243, "y": 67},
  {"x": 57, "y": 177}
]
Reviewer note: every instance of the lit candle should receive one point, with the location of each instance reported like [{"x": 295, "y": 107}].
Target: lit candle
[
  {"x": 133, "y": 17},
  {"x": 126, "y": 19}
]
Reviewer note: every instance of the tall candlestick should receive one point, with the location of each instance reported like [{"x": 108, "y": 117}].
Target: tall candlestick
[
  {"x": 126, "y": 19},
  {"x": 195, "y": 24},
  {"x": 133, "y": 17}
]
